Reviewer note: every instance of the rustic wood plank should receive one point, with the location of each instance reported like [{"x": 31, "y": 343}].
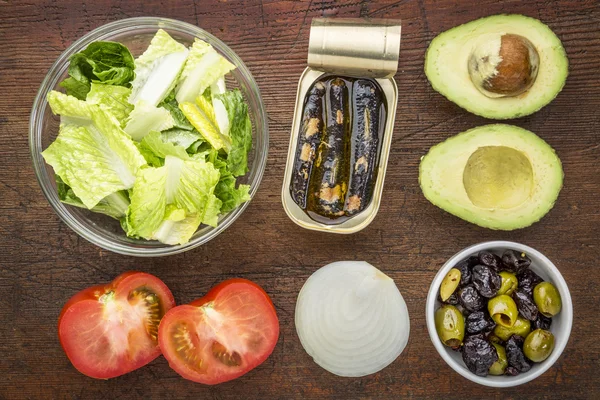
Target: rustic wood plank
[{"x": 43, "y": 263}]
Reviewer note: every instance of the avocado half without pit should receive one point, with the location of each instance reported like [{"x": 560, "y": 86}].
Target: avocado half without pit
[
  {"x": 500, "y": 67},
  {"x": 496, "y": 176}
]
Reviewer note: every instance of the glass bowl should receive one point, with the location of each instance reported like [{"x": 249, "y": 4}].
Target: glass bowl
[{"x": 136, "y": 33}]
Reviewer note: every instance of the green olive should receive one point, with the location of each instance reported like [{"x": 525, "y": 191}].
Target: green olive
[
  {"x": 509, "y": 283},
  {"x": 503, "y": 310},
  {"x": 547, "y": 299},
  {"x": 450, "y": 325},
  {"x": 522, "y": 327},
  {"x": 449, "y": 284},
  {"x": 538, "y": 345},
  {"x": 499, "y": 366},
  {"x": 494, "y": 339}
]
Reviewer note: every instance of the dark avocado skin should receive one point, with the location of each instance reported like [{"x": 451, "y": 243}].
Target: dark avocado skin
[{"x": 338, "y": 148}]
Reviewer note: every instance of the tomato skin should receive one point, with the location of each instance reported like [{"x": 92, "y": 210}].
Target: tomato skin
[
  {"x": 85, "y": 309},
  {"x": 266, "y": 326}
]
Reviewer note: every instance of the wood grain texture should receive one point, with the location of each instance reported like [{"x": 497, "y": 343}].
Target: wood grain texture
[{"x": 43, "y": 262}]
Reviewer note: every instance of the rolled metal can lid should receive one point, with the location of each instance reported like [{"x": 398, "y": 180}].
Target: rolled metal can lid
[{"x": 355, "y": 46}]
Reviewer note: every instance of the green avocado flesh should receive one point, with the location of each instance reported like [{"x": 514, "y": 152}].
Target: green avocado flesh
[
  {"x": 447, "y": 59},
  {"x": 495, "y": 176}
]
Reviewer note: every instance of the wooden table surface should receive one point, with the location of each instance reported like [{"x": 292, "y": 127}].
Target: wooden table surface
[{"x": 43, "y": 262}]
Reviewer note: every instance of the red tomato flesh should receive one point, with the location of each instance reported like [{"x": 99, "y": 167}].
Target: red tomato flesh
[
  {"x": 110, "y": 330},
  {"x": 221, "y": 336}
]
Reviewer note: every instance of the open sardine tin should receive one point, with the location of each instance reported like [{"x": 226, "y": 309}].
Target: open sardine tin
[{"x": 359, "y": 48}]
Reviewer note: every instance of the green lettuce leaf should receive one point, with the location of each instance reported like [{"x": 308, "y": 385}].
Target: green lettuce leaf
[
  {"x": 202, "y": 116},
  {"x": 171, "y": 104},
  {"x": 91, "y": 154},
  {"x": 112, "y": 99},
  {"x": 230, "y": 196},
  {"x": 178, "y": 185},
  {"x": 155, "y": 143},
  {"x": 203, "y": 68},
  {"x": 240, "y": 131},
  {"x": 221, "y": 115},
  {"x": 157, "y": 70},
  {"x": 145, "y": 118},
  {"x": 148, "y": 203},
  {"x": 182, "y": 137},
  {"x": 101, "y": 62},
  {"x": 177, "y": 227},
  {"x": 114, "y": 205}
]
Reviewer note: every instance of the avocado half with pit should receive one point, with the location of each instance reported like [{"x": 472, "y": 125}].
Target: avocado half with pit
[
  {"x": 499, "y": 67},
  {"x": 496, "y": 176}
]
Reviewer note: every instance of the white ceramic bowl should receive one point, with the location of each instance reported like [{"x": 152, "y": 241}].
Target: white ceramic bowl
[{"x": 561, "y": 323}]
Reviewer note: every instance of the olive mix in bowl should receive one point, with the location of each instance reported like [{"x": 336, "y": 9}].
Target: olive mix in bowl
[{"x": 497, "y": 312}]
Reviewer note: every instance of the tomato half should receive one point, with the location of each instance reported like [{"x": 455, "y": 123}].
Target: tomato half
[
  {"x": 109, "y": 330},
  {"x": 221, "y": 336}
]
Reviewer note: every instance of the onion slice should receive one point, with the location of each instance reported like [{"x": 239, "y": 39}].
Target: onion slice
[{"x": 351, "y": 318}]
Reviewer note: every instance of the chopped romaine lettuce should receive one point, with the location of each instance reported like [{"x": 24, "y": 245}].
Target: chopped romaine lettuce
[
  {"x": 91, "y": 154},
  {"x": 186, "y": 185},
  {"x": 148, "y": 203},
  {"x": 111, "y": 98},
  {"x": 202, "y": 116},
  {"x": 230, "y": 196},
  {"x": 157, "y": 70},
  {"x": 114, "y": 205},
  {"x": 203, "y": 68},
  {"x": 106, "y": 62},
  {"x": 171, "y": 104},
  {"x": 221, "y": 115},
  {"x": 240, "y": 131},
  {"x": 145, "y": 118},
  {"x": 177, "y": 227},
  {"x": 155, "y": 143},
  {"x": 182, "y": 137}
]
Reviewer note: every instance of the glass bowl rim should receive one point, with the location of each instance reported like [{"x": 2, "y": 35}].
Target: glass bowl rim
[{"x": 104, "y": 32}]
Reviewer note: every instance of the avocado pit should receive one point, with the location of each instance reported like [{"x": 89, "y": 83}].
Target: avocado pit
[
  {"x": 504, "y": 66},
  {"x": 498, "y": 177}
]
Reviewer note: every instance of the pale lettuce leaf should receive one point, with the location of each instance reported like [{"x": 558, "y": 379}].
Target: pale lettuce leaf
[
  {"x": 174, "y": 192},
  {"x": 157, "y": 70},
  {"x": 203, "y": 68},
  {"x": 177, "y": 227},
  {"x": 240, "y": 132},
  {"x": 114, "y": 205},
  {"x": 91, "y": 154},
  {"x": 182, "y": 137},
  {"x": 145, "y": 118},
  {"x": 148, "y": 203},
  {"x": 221, "y": 115},
  {"x": 202, "y": 116},
  {"x": 112, "y": 99},
  {"x": 155, "y": 143}
]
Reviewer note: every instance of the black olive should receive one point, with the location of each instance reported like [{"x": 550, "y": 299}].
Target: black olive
[
  {"x": 470, "y": 299},
  {"x": 541, "y": 322},
  {"x": 478, "y": 354},
  {"x": 486, "y": 280},
  {"x": 511, "y": 371},
  {"x": 465, "y": 272},
  {"x": 479, "y": 322},
  {"x": 525, "y": 305},
  {"x": 528, "y": 280},
  {"x": 515, "y": 261},
  {"x": 514, "y": 354},
  {"x": 491, "y": 260}
]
